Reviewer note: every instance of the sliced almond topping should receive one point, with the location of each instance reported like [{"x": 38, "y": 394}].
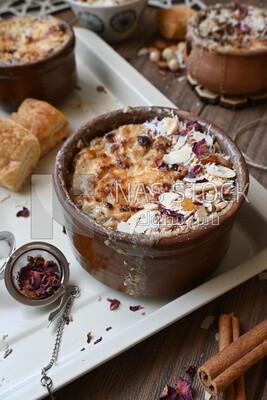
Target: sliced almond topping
[
  {"x": 171, "y": 125},
  {"x": 220, "y": 171},
  {"x": 167, "y": 198},
  {"x": 178, "y": 156}
]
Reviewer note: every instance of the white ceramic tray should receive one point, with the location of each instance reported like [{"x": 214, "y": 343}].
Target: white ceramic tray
[{"x": 26, "y": 327}]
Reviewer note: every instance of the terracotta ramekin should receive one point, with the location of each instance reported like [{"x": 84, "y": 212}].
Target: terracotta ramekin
[
  {"x": 233, "y": 72},
  {"x": 49, "y": 79},
  {"x": 137, "y": 264}
]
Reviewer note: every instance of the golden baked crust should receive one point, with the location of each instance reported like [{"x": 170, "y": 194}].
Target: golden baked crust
[
  {"x": 172, "y": 22},
  {"x": 19, "y": 153},
  {"x": 168, "y": 172},
  {"x": 30, "y": 39},
  {"x": 44, "y": 121}
]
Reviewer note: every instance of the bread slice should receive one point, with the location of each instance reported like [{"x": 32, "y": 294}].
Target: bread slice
[
  {"x": 19, "y": 153},
  {"x": 44, "y": 121},
  {"x": 172, "y": 22}
]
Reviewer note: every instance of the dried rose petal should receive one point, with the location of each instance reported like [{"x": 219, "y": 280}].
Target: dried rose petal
[
  {"x": 114, "y": 303},
  {"x": 196, "y": 169},
  {"x": 171, "y": 213},
  {"x": 198, "y": 146},
  {"x": 23, "y": 213},
  {"x": 191, "y": 371},
  {"x": 184, "y": 389},
  {"x": 135, "y": 308},
  {"x": 39, "y": 278},
  {"x": 169, "y": 393},
  {"x": 193, "y": 125}
]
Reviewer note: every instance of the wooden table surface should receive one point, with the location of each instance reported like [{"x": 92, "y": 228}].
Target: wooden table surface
[{"x": 141, "y": 372}]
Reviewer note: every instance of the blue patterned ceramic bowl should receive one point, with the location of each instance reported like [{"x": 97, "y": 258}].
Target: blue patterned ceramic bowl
[{"x": 113, "y": 22}]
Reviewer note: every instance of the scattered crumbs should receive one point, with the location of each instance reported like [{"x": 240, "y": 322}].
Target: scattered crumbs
[
  {"x": 20, "y": 203},
  {"x": 114, "y": 303},
  {"x": 7, "y": 352},
  {"x": 89, "y": 337},
  {"x": 191, "y": 371},
  {"x": 68, "y": 319},
  {"x": 207, "y": 322},
  {"x": 217, "y": 336},
  {"x": 64, "y": 230},
  {"x": 143, "y": 313},
  {"x": 101, "y": 89},
  {"x": 181, "y": 78},
  {"x": 142, "y": 52},
  {"x": 207, "y": 396},
  {"x": 24, "y": 212},
  {"x": 263, "y": 276},
  {"x": 99, "y": 298},
  {"x": 4, "y": 337},
  {"x": 98, "y": 340},
  {"x": 4, "y": 197},
  {"x": 82, "y": 349},
  {"x": 135, "y": 308},
  {"x": 108, "y": 328},
  {"x": 127, "y": 109}
]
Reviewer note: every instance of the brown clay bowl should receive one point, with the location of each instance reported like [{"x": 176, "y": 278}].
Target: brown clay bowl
[
  {"x": 133, "y": 263},
  {"x": 49, "y": 79},
  {"x": 231, "y": 72}
]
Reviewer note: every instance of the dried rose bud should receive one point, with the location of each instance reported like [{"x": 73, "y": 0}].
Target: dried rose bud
[
  {"x": 23, "y": 213},
  {"x": 184, "y": 389},
  {"x": 114, "y": 303},
  {"x": 191, "y": 371},
  {"x": 135, "y": 308}
]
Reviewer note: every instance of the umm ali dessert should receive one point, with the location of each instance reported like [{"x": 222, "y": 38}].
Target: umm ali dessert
[
  {"x": 227, "y": 49},
  {"x": 30, "y": 39},
  {"x": 231, "y": 26},
  {"x": 160, "y": 177},
  {"x": 37, "y": 60}
]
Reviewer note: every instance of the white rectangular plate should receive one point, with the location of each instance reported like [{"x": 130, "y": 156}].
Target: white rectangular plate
[{"x": 28, "y": 336}]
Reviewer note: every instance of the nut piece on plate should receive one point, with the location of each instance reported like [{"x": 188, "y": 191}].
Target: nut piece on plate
[
  {"x": 42, "y": 120},
  {"x": 172, "y": 22},
  {"x": 19, "y": 153}
]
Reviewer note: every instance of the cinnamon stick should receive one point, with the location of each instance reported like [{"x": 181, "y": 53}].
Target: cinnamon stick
[
  {"x": 226, "y": 337},
  {"x": 234, "y": 360},
  {"x": 239, "y": 384}
]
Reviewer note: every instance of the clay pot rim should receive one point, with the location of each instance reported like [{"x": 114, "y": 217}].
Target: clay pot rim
[
  {"x": 125, "y": 238},
  {"x": 54, "y": 56}
]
